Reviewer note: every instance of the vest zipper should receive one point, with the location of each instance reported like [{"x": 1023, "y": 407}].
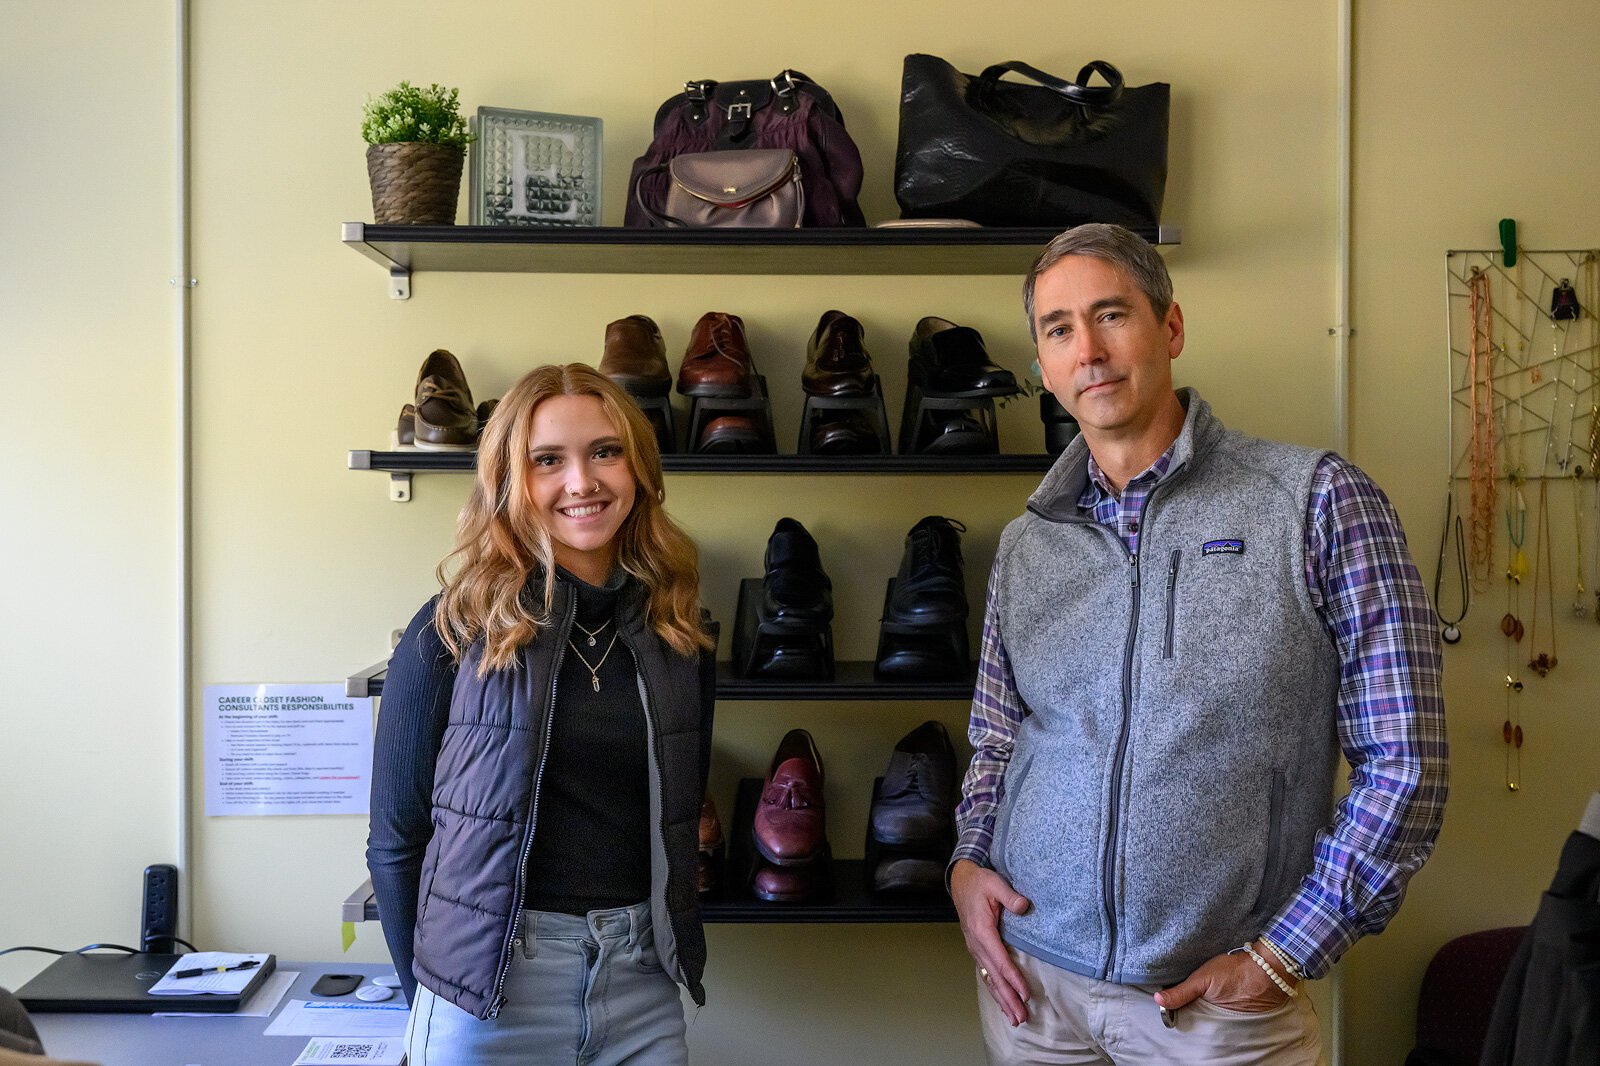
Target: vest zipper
[
  {"x": 1172, "y": 602},
  {"x": 1108, "y": 884},
  {"x": 661, "y": 813},
  {"x": 496, "y": 999}
]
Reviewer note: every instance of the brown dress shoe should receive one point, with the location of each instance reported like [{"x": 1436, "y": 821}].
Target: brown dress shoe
[
  {"x": 790, "y": 829},
  {"x": 635, "y": 357},
  {"x": 710, "y": 826},
  {"x": 445, "y": 418},
  {"x": 717, "y": 362},
  {"x": 731, "y": 435},
  {"x": 837, "y": 363},
  {"x": 710, "y": 841},
  {"x": 405, "y": 427}
]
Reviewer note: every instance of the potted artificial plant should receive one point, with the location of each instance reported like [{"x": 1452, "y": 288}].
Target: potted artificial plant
[{"x": 417, "y": 140}]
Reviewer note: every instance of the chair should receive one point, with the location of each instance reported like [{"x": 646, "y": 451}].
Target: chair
[{"x": 1458, "y": 995}]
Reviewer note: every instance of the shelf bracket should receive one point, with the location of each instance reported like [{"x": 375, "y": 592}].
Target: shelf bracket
[
  {"x": 399, "y": 283},
  {"x": 400, "y": 486}
]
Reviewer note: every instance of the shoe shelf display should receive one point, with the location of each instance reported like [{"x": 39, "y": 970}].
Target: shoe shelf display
[
  {"x": 773, "y": 866},
  {"x": 404, "y": 250}
]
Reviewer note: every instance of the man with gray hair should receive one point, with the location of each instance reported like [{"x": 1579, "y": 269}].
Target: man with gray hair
[{"x": 1183, "y": 630}]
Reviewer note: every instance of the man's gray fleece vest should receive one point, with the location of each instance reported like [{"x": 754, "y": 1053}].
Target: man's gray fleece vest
[
  {"x": 485, "y": 797},
  {"x": 1177, "y": 759}
]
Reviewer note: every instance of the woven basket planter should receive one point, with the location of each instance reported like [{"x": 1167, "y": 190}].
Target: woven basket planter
[{"x": 415, "y": 183}]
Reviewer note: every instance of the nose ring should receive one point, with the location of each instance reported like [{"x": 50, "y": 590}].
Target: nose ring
[{"x": 585, "y": 492}]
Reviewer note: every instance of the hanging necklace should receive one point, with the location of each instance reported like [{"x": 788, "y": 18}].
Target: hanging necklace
[
  {"x": 1481, "y": 452},
  {"x": 594, "y": 668},
  {"x": 1540, "y": 662},
  {"x": 1451, "y": 634},
  {"x": 592, "y": 634},
  {"x": 1511, "y": 626},
  {"x": 1580, "y": 606}
]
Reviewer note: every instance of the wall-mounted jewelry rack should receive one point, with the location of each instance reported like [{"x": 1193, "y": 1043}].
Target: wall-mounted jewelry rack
[{"x": 1536, "y": 378}]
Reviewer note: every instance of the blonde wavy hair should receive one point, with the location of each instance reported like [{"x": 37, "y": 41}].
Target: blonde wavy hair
[{"x": 501, "y": 544}]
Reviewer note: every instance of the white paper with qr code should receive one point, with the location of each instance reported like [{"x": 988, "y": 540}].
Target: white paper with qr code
[{"x": 338, "y": 1050}]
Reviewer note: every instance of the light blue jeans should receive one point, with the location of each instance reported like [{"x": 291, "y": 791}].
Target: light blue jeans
[{"x": 584, "y": 991}]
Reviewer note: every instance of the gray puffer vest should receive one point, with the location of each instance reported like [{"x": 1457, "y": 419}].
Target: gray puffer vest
[
  {"x": 1166, "y": 787},
  {"x": 485, "y": 807}
]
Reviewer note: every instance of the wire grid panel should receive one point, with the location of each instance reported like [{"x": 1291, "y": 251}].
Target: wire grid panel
[{"x": 1524, "y": 385}]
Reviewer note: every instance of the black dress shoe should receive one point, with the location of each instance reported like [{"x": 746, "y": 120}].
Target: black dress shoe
[
  {"x": 961, "y": 435},
  {"x": 930, "y": 588},
  {"x": 908, "y": 874},
  {"x": 916, "y": 805},
  {"x": 847, "y": 434},
  {"x": 837, "y": 363},
  {"x": 951, "y": 360},
  {"x": 795, "y": 588}
]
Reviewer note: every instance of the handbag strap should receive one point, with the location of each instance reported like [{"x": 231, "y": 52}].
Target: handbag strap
[
  {"x": 659, "y": 219},
  {"x": 1079, "y": 92}
]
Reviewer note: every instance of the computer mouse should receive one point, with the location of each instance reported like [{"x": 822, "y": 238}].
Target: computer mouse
[
  {"x": 388, "y": 980},
  {"x": 374, "y": 993}
]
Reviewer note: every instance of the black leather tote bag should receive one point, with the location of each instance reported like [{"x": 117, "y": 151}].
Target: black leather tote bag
[{"x": 1055, "y": 153}]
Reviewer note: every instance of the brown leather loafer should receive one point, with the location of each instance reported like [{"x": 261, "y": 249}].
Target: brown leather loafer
[
  {"x": 635, "y": 357},
  {"x": 717, "y": 361},
  {"x": 785, "y": 884},
  {"x": 790, "y": 827},
  {"x": 837, "y": 363},
  {"x": 445, "y": 419}
]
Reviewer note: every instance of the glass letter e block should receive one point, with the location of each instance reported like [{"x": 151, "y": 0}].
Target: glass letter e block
[{"x": 530, "y": 168}]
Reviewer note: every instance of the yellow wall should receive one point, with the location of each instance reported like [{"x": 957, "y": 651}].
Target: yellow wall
[
  {"x": 1466, "y": 114},
  {"x": 300, "y": 568},
  {"x": 89, "y": 693}
]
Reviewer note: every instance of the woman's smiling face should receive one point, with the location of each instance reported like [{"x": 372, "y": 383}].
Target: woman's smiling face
[{"x": 579, "y": 483}]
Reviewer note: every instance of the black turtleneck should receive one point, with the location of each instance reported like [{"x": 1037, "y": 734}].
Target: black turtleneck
[{"x": 591, "y": 836}]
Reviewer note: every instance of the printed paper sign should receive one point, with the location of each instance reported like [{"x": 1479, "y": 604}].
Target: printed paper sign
[{"x": 287, "y": 749}]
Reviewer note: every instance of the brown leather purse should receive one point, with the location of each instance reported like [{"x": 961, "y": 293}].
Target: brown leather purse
[
  {"x": 786, "y": 111},
  {"x": 752, "y": 188}
]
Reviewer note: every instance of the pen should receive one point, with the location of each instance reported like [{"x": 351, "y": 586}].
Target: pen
[{"x": 197, "y": 971}]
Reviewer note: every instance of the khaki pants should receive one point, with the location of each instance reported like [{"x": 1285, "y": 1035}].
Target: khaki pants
[{"x": 1078, "y": 1020}]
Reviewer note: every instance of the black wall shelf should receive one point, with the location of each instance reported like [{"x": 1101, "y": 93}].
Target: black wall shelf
[
  {"x": 423, "y": 462},
  {"x": 852, "y": 681},
  {"x": 403, "y": 250},
  {"x": 852, "y": 903}
]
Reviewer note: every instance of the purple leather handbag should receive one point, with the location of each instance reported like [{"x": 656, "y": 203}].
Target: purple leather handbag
[{"x": 788, "y": 111}]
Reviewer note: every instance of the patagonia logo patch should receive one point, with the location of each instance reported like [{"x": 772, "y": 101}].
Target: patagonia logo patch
[{"x": 1222, "y": 547}]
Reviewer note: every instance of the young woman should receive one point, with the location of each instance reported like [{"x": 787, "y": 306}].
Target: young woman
[{"x": 542, "y": 751}]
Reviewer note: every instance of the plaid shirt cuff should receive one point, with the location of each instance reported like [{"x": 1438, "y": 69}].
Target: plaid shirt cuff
[{"x": 1312, "y": 933}]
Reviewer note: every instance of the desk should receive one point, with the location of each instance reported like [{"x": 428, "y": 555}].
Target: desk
[{"x": 140, "y": 1040}]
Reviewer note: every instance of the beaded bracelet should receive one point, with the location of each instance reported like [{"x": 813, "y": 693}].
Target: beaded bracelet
[
  {"x": 1289, "y": 964},
  {"x": 1266, "y": 968}
]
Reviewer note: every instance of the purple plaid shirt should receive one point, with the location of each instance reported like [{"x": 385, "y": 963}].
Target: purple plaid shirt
[{"x": 1390, "y": 711}]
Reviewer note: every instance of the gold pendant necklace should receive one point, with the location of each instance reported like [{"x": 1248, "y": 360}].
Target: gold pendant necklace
[{"x": 594, "y": 668}]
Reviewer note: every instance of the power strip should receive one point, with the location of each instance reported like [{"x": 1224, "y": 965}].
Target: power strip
[{"x": 159, "y": 915}]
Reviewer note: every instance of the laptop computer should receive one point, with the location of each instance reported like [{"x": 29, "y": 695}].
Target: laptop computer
[{"x": 104, "y": 983}]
